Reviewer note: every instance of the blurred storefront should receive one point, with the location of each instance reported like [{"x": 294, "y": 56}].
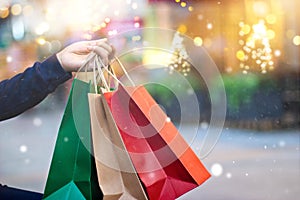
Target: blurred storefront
[{"x": 255, "y": 45}]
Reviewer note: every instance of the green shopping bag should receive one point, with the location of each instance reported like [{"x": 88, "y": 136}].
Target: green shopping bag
[{"x": 72, "y": 173}]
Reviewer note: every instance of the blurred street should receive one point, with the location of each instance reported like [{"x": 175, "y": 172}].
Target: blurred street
[{"x": 244, "y": 164}]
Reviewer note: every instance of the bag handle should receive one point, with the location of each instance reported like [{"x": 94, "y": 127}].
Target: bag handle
[
  {"x": 98, "y": 67},
  {"x": 100, "y": 72},
  {"x": 106, "y": 67},
  {"x": 85, "y": 63}
]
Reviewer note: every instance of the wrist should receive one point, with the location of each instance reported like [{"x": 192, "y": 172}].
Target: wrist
[{"x": 59, "y": 58}]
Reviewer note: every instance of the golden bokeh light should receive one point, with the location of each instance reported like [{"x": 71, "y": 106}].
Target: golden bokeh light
[
  {"x": 277, "y": 53},
  {"x": 16, "y": 9},
  {"x": 183, "y": 4},
  {"x": 41, "y": 41},
  {"x": 246, "y": 29},
  {"x": 256, "y": 50},
  {"x": 296, "y": 40},
  {"x": 96, "y": 28},
  {"x": 240, "y": 55},
  {"x": 209, "y": 26},
  {"x": 4, "y": 12},
  {"x": 260, "y": 8},
  {"x": 182, "y": 29},
  {"x": 103, "y": 24},
  {"x": 270, "y": 34},
  {"x": 271, "y": 19},
  {"x": 198, "y": 41},
  {"x": 259, "y": 29}
]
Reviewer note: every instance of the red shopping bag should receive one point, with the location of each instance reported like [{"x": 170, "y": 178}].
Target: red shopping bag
[{"x": 165, "y": 163}]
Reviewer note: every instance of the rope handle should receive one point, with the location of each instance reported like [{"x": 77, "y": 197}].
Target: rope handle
[{"x": 98, "y": 67}]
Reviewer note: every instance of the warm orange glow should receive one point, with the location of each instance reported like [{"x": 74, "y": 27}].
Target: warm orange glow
[
  {"x": 4, "y": 12},
  {"x": 260, "y": 8},
  {"x": 182, "y": 29}
]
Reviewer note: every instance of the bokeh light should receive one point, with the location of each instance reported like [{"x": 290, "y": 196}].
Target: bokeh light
[
  {"x": 260, "y": 8},
  {"x": 296, "y": 40},
  {"x": 4, "y": 12},
  {"x": 271, "y": 19},
  {"x": 209, "y": 26},
  {"x": 198, "y": 41},
  {"x": 240, "y": 55},
  {"x": 246, "y": 29},
  {"x": 41, "y": 41},
  {"x": 256, "y": 49},
  {"x": 270, "y": 34},
  {"x": 183, "y": 4},
  {"x": 182, "y": 29},
  {"x": 16, "y": 9},
  {"x": 277, "y": 53},
  {"x": 216, "y": 169}
]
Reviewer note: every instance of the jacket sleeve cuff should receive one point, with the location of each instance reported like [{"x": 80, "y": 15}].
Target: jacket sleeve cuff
[{"x": 52, "y": 73}]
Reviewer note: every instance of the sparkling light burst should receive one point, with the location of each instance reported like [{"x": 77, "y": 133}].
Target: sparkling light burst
[
  {"x": 179, "y": 58},
  {"x": 256, "y": 51}
]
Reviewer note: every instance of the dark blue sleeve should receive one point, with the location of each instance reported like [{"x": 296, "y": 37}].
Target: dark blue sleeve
[{"x": 27, "y": 89}]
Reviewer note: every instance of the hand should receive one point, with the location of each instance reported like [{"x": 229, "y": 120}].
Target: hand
[{"x": 72, "y": 57}]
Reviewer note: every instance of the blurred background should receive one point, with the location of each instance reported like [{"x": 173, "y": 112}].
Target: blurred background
[{"x": 255, "y": 45}]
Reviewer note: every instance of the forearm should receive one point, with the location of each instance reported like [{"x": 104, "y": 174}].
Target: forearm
[{"x": 27, "y": 89}]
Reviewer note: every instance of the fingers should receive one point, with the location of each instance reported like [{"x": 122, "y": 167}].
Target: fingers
[
  {"x": 103, "y": 49},
  {"x": 103, "y": 53}
]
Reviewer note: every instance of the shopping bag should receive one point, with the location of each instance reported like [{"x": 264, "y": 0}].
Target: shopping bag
[
  {"x": 116, "y": 174},
  {"x": 72, "y": 173},
  {"x": 165, "y": 163}
]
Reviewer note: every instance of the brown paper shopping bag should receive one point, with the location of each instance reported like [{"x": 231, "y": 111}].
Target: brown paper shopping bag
[{"x": 116, "y": 174}]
